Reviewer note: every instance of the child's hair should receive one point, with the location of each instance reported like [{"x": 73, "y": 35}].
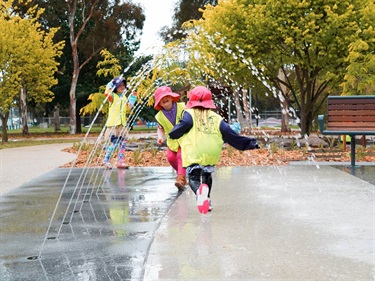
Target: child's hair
[
  {"x": 203, "y": 121},
  {"x": 201, "y": 115}
]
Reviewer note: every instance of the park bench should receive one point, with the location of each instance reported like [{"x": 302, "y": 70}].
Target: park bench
[{"x": 349, "y": 115}]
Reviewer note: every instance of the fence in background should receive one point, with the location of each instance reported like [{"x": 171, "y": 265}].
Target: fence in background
[
  {"x": 46, "y": 122},
  {"x": 266, "y": 118}
]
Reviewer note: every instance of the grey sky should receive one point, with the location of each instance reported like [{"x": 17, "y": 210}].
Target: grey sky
[{"x": 158, "y": 14}]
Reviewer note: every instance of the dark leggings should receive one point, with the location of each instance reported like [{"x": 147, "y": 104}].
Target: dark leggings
[{"x": 195, "y": 180}]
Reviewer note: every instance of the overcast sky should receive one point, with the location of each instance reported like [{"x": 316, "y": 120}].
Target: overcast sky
[{"x": 158, "y": 14}]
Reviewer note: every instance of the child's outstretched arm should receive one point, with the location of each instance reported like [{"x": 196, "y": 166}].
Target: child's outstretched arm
[
  {"x": 161, "y": 135},
  {"x": 186, "y": 123},
  {"x": 132, "y": 99},
  {"x": 109, "y": 91},
  {"x": 239, "y": 142}
]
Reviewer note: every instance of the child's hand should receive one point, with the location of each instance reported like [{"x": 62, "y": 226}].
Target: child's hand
[
  {"x": 110, "y": 85},
  {"x": 135, "y": 94},
  {"x": 109, "y": 88},
  {"x": 160, "y": 142}
]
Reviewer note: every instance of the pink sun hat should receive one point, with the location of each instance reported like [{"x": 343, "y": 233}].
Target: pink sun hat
[
  {"x": 200, "y": 97},
  {"x": 162, "y": 92}
]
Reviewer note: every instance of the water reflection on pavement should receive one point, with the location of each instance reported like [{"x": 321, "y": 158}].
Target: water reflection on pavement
[
  {"x": 364, "y": 172},
  {"x": 269, "y": 223},
  {"x": 108, "y": 236}
]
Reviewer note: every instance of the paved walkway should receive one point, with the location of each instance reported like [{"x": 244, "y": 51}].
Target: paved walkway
[
  {"x": 270, "y": 223},
  {"x": 301, "y": 222},
  {"x": 20, "y": 165}
]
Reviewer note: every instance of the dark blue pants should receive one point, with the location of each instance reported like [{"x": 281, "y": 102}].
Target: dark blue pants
[{"x": 196, "y": 177}]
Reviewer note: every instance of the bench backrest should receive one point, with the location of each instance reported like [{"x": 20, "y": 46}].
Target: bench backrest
[{"x": 351, "y": 113}]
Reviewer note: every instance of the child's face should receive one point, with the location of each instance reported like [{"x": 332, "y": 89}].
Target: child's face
[
  {"x": 166, "y": 103},
  {"x": 121, "y": 88}
]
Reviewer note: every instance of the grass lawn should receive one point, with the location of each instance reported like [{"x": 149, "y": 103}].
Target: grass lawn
[{"x": 38, "y": 136}]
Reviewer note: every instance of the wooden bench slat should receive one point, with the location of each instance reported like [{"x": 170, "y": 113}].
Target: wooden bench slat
[
  {"x": 352, "y": 113},
  {"x": 341, "y": 130},
  {"x": 357, "y": 100},
  {"x": 344, "y": 131},
  {"x": 351, "y": 124},
  {"x": 339, "y": 127},
  {"x": 351, "y": 106},
  {"x": 364, "y": 118},
  {"x": 349, "y": 115}
]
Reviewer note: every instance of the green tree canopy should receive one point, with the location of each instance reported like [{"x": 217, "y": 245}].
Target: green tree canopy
[
  {"x": 88, "y": 27},
  {"x": 360, "y": 75},
  {"x": 28, "y": 60},
  {"x": 307, "y": 42}
]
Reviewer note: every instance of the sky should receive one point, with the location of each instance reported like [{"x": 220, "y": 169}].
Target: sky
[{"x": 158, "y": 14}]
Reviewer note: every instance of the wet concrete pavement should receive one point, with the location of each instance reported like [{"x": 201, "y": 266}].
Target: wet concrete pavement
[
  {"x": 100, "y": 231},
  {"x": 20, "y": 165},
  {"x": 268, "y": 223}
]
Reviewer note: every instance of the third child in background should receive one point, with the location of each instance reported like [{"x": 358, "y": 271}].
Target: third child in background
[
  {"x": 170, "y": 112},
  {"x": 116, "y": 122}
]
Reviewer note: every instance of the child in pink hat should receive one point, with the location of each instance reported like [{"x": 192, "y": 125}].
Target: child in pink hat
[
  {"x": 201, "y": 133},
  {"x": 170, "y": 112}
]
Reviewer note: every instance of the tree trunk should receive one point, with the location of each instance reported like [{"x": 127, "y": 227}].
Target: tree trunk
[
  {"x": 303, "y": 122},
  {"x": 23, "y": 108},
  {"x": 284, "y": 104},
  {"x": 74, "y": 37},
  {"x": 246, "y": 107},
  {"x": 76, "y": 69},
  {"x": 72, "y": 96},
  {"x": 238, "y": 108},
  {"x": 309, "y": 120},
  {"x": 56, "y": 118},
  {"x": 78, "y": 122},
  {"x": 285, "y": 116},
  {"x": 4, "y": 130},
  {"x": 255, "y": 110}
]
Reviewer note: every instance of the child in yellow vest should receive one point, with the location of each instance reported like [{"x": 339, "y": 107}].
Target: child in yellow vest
[
  {"x": 115, "y": 91},
  {"x": 201, "y": 133},
  {"x": 170, "y": 112}
]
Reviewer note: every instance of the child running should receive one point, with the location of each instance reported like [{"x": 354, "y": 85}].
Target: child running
[
  {"x": 170, "y": 112},
  {"x": 116, "y": 121},
  {"x": 201, "y": 133}
]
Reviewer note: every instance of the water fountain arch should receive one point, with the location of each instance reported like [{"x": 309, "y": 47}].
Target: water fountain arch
[{"x": 89, "y": 184}]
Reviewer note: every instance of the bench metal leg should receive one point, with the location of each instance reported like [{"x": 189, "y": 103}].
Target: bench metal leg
[{"x": 352, "y": 151}]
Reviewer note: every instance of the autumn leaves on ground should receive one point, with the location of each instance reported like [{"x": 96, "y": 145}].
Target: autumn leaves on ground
[{"x": 265, "y": 156}]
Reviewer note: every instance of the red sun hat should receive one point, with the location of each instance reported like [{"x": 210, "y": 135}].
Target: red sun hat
[
  {"x": 200, "y": 97},
  {"x": 162, "y": 92}
]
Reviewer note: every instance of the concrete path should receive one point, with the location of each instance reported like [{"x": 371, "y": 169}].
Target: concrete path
[
  {"x": 300, "y": 222},
  {"x": 20, "y": 165},
  {"x": 270, "y": 223}
]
